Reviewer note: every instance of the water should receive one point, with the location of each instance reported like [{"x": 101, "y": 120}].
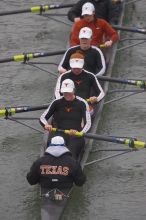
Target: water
[{"x": 116, "y": 188}]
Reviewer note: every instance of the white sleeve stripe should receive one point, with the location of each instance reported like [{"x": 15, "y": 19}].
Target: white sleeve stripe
[
  {"x": 102, "y": 71},
  {"x": 57, "y": 88},
  {"x": 43, "y": 116},
  {"x": 102, "y": 94},
  {"x": 88, "y": 116}
]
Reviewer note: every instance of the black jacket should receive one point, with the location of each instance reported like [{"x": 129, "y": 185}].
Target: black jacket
[
  {"x": 94, "y": 59},
  {"x": 103, "y": 9},
  {"x": 56, "y": 169}
]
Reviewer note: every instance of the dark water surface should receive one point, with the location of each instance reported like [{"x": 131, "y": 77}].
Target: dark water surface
[{"x": 116, "y": 188}]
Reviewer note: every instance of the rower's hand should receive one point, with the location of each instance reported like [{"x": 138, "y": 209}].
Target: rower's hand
[
  {"x": 77, "y": 19},
  {"x": 48, "y": 127},
  {"x": 93, "y": 99},
  {"x": 72, "y": 131},
  {"x": 108, "y": 43}
]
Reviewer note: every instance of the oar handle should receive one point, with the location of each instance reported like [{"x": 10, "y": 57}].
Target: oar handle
[
  {"x": 77, "y": 134},
  {"x": 102, "y": 46}
]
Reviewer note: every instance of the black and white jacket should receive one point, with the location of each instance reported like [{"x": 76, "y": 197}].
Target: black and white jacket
[
  {"x": 68, "y": 114},
  {"x": 94, "y": 60},
  {"x": 86, "y": 85}
]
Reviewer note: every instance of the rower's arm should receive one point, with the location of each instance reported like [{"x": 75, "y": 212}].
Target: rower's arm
[
  {"x": 57, "y": 88},
  {"x": 75, "y": 11},
  {"x": 47, "y": 114},
  {"x": 101, "y": 66},
  {"x": 86, "y": 117},
  {"x": 98, "y": 89},
  {"x": 33, "y": 176},
  {"x": 111, "y": 32},
  {"x": 64, "y": 64},
  {"x": 74, "y": 34}
]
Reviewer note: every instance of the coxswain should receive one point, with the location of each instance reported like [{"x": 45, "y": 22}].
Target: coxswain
[
  {"x": 108, "y": 10},
  {"x": 69, "y": 112},
  {"x": 103, "y": 33},
  {"x": 94, "y": 58},
  {"x": 57, "y": 168},
  {"x": 86, "y": 84}
]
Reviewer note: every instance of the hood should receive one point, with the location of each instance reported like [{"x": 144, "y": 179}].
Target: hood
[{"x": 57, "y": 151}]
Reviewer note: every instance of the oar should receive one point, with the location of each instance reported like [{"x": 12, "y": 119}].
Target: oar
[
  {"x": 124, "y": 39},
  {"x": 130, "y": 29},
  {"x": 138, "y": 83},
  {"x": 131, "y": 142},
  {"x": 28, "y": 56},
  {"x": 37, "y": 9},
  {"x": 8, "y": 111}
]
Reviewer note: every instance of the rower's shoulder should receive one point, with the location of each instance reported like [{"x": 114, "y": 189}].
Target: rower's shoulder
[
  {"x": 56, "y": 101},
  {"x": 89, "y": 73},
  {"x": 95, "y": 49},
  {"x": 81, "y": 23},
  {"x": 65, "y": 75},
  {"x": 73, "y": 49}
]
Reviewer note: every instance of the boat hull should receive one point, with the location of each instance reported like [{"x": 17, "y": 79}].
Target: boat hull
[{"x": 52, "y": 210}]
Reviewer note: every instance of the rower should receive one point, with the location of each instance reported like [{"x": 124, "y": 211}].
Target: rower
[
  {"x": 108, "y": 10},
  {"x": 103, "y": 33},
  {"x": 57, "y": 168},
  {"x": 86, "y": 83},
  {"x": 69, "y": 112},
  {"x": 94, "y": 58}
]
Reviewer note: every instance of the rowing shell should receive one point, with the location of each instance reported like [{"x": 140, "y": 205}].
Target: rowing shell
[{"x": 54, "y": 201}]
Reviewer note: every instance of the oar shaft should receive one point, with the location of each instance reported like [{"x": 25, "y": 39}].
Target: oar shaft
[
  {"x": 15, "y": 12},
  {"x": 37, "y": 9},
  {"x": 102, "y": 138},
  {"x": 13, "y": 110},
  {"x": 27, "y": 56},
  {"x": 30, "y": 108},
  {"x": 130, "y": 142},
  {"x": 130, "y": 29},
  {"x": 139, "y": 83},
  {"x": 61, "y": 6}
]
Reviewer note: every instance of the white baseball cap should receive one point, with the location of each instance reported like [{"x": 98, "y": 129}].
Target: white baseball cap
[
  {"x": 88, "y": 9},
  {"x": 57, "y": 140},
  {"x": 85, "y": 32},
  {"x": 76, "y": 63},
  {"x": 67, "y": 86}
]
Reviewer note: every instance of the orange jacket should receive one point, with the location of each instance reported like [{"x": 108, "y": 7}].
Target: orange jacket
[{"x": 101, "y": 30}]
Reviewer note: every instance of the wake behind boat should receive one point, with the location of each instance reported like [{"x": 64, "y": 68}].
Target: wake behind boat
[{"x": 54, "y": 201}]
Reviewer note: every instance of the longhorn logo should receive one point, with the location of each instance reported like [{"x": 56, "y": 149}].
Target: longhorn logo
[
  {"x": 67, "y": 109},
  {"x": 78, "y": 82},
  {"x": 66, "y": 84}
]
